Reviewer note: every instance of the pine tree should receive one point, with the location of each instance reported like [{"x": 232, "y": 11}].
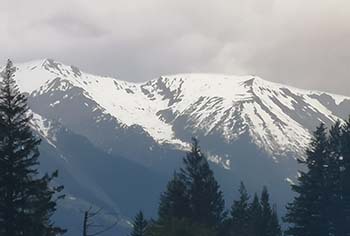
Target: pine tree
[
  {"x": 333, "y": 168},
  {"x": 180, "y": 227},
  {"x": 26, "y": 201},
  {"x": 174, "y": 202},
  {"x": 240, "y": 217},
  {"x": 274, "y": 224},
  {"x": 206, "y": 198},
  {"x": 344, "y": 228},
  {"x": 266, "y": 212},
  {"x": 307, "y": 213},
  {"x": 255, "y": 216},
  {"x": 269, "y": 223},
  {"x": 139, "y": 225}
]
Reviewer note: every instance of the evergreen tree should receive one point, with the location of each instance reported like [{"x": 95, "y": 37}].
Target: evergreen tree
[
  {"x": 180, "y": 227},
  {"x": 174, "y": 202},
  {"x": 333, "y": 167},
  {"x": 269, "y": 223},
  {"x": 26, "y": 201},
  {"x": 345, "y": 179},
  {"x": 307, "y": 213},
  {"x": 255, "y": 216},
  {"x": 139, "y": 225},
  {"x": 274, "y": 227},
  {"x": 266, "y": 212},
  {"x": 206, "y": 198},
  {"x": 240, "y": 217}
]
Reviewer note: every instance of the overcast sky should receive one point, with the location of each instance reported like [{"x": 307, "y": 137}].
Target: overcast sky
[{"x": 305, "y": 43}]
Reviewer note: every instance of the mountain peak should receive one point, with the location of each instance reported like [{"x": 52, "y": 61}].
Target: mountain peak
[
  {"x": 49, "y": 62},
  {"x": 279, "y": 118},
  {"x": 34, "y": 74}
]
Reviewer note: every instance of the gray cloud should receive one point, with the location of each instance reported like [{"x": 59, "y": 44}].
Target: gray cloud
[{"x": 297, "y": 42}]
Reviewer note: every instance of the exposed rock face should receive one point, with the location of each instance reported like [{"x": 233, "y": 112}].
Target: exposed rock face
[{"x": 251, "y": 129}]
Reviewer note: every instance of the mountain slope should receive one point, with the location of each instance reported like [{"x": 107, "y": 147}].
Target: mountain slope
[
  {"x": 278, "y": 118},
  {"x": 251, "y": 130},
  {"x": 92, "y": 177}
]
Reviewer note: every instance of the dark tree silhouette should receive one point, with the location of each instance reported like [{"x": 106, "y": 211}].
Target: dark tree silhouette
[
  {"x": 139, "y": 225},
  {"x": 307, "y": 214},
  {"x": 27, "y": 201},
  {"x": 205, "y": 196},
  {"x": 174, "y": 202},
  {"x": 240, "y": 217}
]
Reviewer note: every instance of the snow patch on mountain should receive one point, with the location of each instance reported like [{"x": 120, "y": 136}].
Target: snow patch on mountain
[
  {"x": 278, "y": 118},
  {"x": 44, "y": 127}
]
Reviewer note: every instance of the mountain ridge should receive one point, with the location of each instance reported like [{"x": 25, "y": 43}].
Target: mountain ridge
[
  {"x": 265, "y": 107},
  {"x": 103, "y": 133}
]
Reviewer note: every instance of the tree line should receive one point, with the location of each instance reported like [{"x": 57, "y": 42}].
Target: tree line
[
  {"x": 192, "y": 203},
  {"x": 322, "y": 204}
]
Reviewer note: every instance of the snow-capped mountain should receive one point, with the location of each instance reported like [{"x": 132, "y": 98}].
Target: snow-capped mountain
[
  {"x": 278, "y": 118},
  {"x": 251, "y": 128}
]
